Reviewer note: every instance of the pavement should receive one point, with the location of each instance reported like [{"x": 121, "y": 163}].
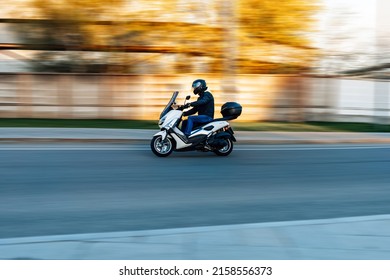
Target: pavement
[{"x": 347, "y": 238}]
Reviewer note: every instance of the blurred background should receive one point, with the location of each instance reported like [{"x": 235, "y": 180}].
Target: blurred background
[
  {"x": 296, "y": 61},
  {"x": 289, "y": 61}
]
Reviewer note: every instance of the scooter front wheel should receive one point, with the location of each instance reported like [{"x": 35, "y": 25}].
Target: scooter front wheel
[{"x": 161, "y": 148}]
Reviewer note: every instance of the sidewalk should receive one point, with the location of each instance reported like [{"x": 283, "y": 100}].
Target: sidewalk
[
  {"x": 145, "y": 135},
  {"x": 357, "y": 238}
]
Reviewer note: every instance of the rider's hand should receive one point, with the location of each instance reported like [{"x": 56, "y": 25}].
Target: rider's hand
[{"x": 185, "y": 106}]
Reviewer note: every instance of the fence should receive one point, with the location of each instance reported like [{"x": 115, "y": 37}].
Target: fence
[{"x": 263, "y": 97}]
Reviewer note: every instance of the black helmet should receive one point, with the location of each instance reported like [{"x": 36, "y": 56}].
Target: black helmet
[{"x": 199, "y": 86}]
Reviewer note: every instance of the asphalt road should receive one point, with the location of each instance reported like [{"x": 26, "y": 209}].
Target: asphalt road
[{"x": 48, "y": 189}]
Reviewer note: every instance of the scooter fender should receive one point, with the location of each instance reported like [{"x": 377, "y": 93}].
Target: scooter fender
[
  {"x": 225, "y": 135},
  {"x": 163, "y": 134}
]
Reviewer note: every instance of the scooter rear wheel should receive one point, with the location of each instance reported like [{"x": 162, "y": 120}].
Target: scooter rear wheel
[
  {"x": 226, "y": 150},
  {"x": 161, "y": 148}
]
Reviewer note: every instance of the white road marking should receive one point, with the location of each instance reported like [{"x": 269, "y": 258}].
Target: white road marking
[
  {"x": 19, "y": 147},
  {"x": 73, "y": 148},
  {"x": 309, "y": 148}
]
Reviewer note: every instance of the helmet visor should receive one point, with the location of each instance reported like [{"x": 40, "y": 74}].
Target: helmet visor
[{"x": 196, "y": 86}]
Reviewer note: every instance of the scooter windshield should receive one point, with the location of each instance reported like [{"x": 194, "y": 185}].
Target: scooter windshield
[{"x": 170, "y": 103}]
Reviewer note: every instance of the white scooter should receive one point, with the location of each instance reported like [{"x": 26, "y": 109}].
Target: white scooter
[{"x": 216, "y": 136}]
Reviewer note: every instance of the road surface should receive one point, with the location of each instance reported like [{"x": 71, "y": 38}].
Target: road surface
[{"x": 53, "y": 188}]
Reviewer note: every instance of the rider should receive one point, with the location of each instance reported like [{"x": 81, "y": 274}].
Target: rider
[{"x": 204, "y": 106}]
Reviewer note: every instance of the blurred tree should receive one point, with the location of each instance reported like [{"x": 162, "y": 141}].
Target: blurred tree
[
  {"x": 277, "y": 32},
  {"x": 285, "y": 22},
  {"x": 252, "y": 36},
  {"x": 63, "y": 29}
]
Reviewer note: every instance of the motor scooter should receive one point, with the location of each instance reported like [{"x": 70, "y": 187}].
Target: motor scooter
[{"x": 216, "y": 136}]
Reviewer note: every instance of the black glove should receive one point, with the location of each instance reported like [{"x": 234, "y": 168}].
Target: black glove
[{"x": 182, "y": 107}]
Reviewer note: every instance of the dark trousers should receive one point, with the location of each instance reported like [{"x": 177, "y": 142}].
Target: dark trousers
[{"x": 194, "y": 120}]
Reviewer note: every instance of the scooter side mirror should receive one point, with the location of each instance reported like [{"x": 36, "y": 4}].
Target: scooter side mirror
[{"x": 188, "y": 97}]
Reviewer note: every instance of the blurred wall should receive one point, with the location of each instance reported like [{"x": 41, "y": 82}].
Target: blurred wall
[{"x": 263, "y": 97}]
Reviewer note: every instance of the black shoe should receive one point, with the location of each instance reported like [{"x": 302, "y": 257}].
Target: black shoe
[{"x": 183, "y": 137}]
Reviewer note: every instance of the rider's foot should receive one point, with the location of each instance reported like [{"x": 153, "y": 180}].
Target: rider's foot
[{"x": 184, "y": 137}]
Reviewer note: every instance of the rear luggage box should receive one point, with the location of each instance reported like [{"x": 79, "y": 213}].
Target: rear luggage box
[{"x": 231, "y": 110}]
